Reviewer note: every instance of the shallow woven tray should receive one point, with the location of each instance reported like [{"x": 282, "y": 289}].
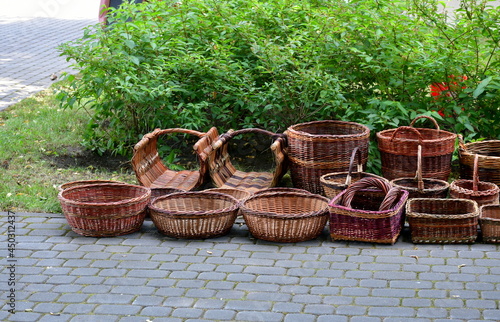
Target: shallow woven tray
[
  {"x": 398, "y": 151},
  {"x": 334, "y": 183},
  {"x": 321, "y": 147},
  {"x": 193, "y": 215},
  {"x": 285, "y": 217},
  {"x": 442, "y": 221},
  {"x": 489, "y": 221},
  {"x": 488, "y": 159},
  {"x": 105, "y": 209},
  {"x": 369, "y": 210}
]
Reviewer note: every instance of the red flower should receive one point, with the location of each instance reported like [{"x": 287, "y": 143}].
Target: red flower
[{"x": 447, "y": 89}]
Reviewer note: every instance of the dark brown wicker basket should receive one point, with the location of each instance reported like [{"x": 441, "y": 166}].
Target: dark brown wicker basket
[
  {"x": 150, "y": 170},
  {"x": 489, "y": 221},
  {"x": 194, "y": 215},
  {"x": 223, "y": 172},
  {"x": 419, "y": 187},
  {"x": 285, "y": 217},
  {"x": 321, "y": 147},
  {"x": 442, "y": 221},
  {"x": 488, "y": 162},
  {"x": 484, "y": 193},
  {"x": 105, "y": 209},
  {"x": 335, "y": 183},
  {"x": 398, "y": 151},
  {"x": 369, "y": 210}
]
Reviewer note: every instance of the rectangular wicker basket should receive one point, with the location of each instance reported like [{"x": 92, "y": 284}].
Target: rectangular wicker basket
[
  {"x": 442, "y": 221},
  {"x": 489, "y": 220}
]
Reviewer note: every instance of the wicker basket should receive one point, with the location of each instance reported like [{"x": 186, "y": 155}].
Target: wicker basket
[
  {"x": 488, "y": 161},
  {"x": 225, "y": 175},
  {"x": 194, "y": 215},
  {"x": 419, "y": 187},
  {"x": 285, "y": 217},
  {"x": 84, "y": 182},
  {"x": 489, "y": 221},
  {"x": 334, "y": 183},
  {"x": 398, "y": 151},
  {"x": 484, "y": 193},
  {"x": 361, "y": 213},
  {"x": 150, "y": 170},
  {"x": 321, "y": 147},
  {"x": 281, "y": 189},
  {"x": 442, "y": 221},
  {"x": 105, "y": 209},
  {"x": 239, "y": 194}
]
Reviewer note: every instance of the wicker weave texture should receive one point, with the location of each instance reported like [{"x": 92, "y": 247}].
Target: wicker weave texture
[
  {"x": 194, "y": 215},
  {"x": 105, "y": 209},
  {"x": 320, "y": 147},
  {"x": 488, "y": 160},
  {"x": 442, "y": 221},
  {"x": 285, "y": 217},
  {"x": 152, "y": 172},
  {"x": 399, "y": 147},
  {"x": 225, "y": 175},
  {"x": 85, "y": 182},
  {"x": 489, "y": 221},
  {"x": 364, "y": 213}
]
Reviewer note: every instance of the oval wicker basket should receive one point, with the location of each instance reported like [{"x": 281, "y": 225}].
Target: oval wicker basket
[
  {"x": 320, "y": 147},
  {"x": 105, "y": 209},
  {"x": 488, "y": 159},
  {"x": 398, "y": 151},
  {"x": 334, "y": 183},
  {"x": 194, "y": 214},
  {"x": 285, "y": 217},
  {"x": 239, "y": 194},
  {"x": 484, "y": 193},
  {"x": 489, "y": 221},
  {"x": 419, "y": 187}
]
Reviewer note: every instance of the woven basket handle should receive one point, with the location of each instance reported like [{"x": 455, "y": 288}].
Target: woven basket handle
[
  {"x": 359, "y": 164},
  {"x": 426, "y": 117},
  {"x": 223, "y": 138},
  {"x": 475, "y": 173},
  {"x": 409, "y": 128},
  {"x": 180, "y": 130},
  {"x": 391, "y": 193},
  {"x": 418, "y": 175},
  {"x": 461, "y": 142}
]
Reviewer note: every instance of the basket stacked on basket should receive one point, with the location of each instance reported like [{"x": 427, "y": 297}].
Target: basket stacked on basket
[
  {"x": 369, "y": 210},
  {"x": 284, "y": 216},
  {"x": 104, "y": 209},
  {"x": 398, "y": 151},
  {"x": 321, "y": 147}
]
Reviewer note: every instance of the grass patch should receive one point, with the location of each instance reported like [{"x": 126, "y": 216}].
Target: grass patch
[{"x": 40, "y": 148}]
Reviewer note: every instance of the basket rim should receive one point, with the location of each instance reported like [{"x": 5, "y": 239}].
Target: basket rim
[
  {"x": 194, "y": 194},
  {"x": 491, "y": 187},
  {"x": 295, "y": 129},
  {"x": 481, "y": 213},
  {"x": 464, "y": 148},
  {"x": 446, "y": 185},
  {"x": 446, "y": 135},
  {"x": 145, "y": 195},
  {"x": 370, "y": 213},
  {"x": 414, "y": 214},
  {"x": 251, "y": 212}
]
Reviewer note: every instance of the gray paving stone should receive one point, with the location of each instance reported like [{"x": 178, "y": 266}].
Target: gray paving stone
[
  {"x": 265, "y": 296},
  {"x": 117, "y": 309},
  {"x": 300, "y": 318},
  {"x": 259, "y": 316}
]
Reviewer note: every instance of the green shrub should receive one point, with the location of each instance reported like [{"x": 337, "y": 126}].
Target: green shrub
[{"x": 270, "y": 64}]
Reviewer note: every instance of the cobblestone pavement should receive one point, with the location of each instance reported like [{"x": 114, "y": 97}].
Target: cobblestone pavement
[{"x": 145, "y": 276}]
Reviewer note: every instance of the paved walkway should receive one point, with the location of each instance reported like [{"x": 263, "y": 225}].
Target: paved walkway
[{"x": 145, "y": 276}]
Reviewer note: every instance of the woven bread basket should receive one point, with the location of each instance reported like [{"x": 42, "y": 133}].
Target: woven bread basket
[
  {"x": 442, "y": 221},
  {"x": 320, "y": 147},
  {"x": 334, "y": 183},
  {"x": 105, "y": 209},
  {"x": 398, "y": 151},
  {"x": 194, "y": 215},
  {"x": 285, "y": 217},
  {"x": 369, "y": 210}
]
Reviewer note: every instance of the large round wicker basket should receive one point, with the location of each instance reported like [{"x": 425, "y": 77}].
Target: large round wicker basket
[
  {"x": 105, "y": 209},
  {"x": 194, "y": 215}
]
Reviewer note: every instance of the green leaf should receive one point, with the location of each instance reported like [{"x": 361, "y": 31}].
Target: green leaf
[{"x": 480, "y": 88}]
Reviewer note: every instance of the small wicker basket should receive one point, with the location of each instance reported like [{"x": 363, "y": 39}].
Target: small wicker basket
[
  {"x": 194, "y": 215},
  {"x": 484, "y": 193},
  {"x": 419, "y": 187},
  {"x": 334, "y": 183},
  {"x": 442, "y": 221},
  {"x": 488, "y": 162},
  {"x": 489, "y": 221},
  {"x": 105, "y": 209},
  {"x": 361, "y": 213},
  {"x": 285, "y": 217}
]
